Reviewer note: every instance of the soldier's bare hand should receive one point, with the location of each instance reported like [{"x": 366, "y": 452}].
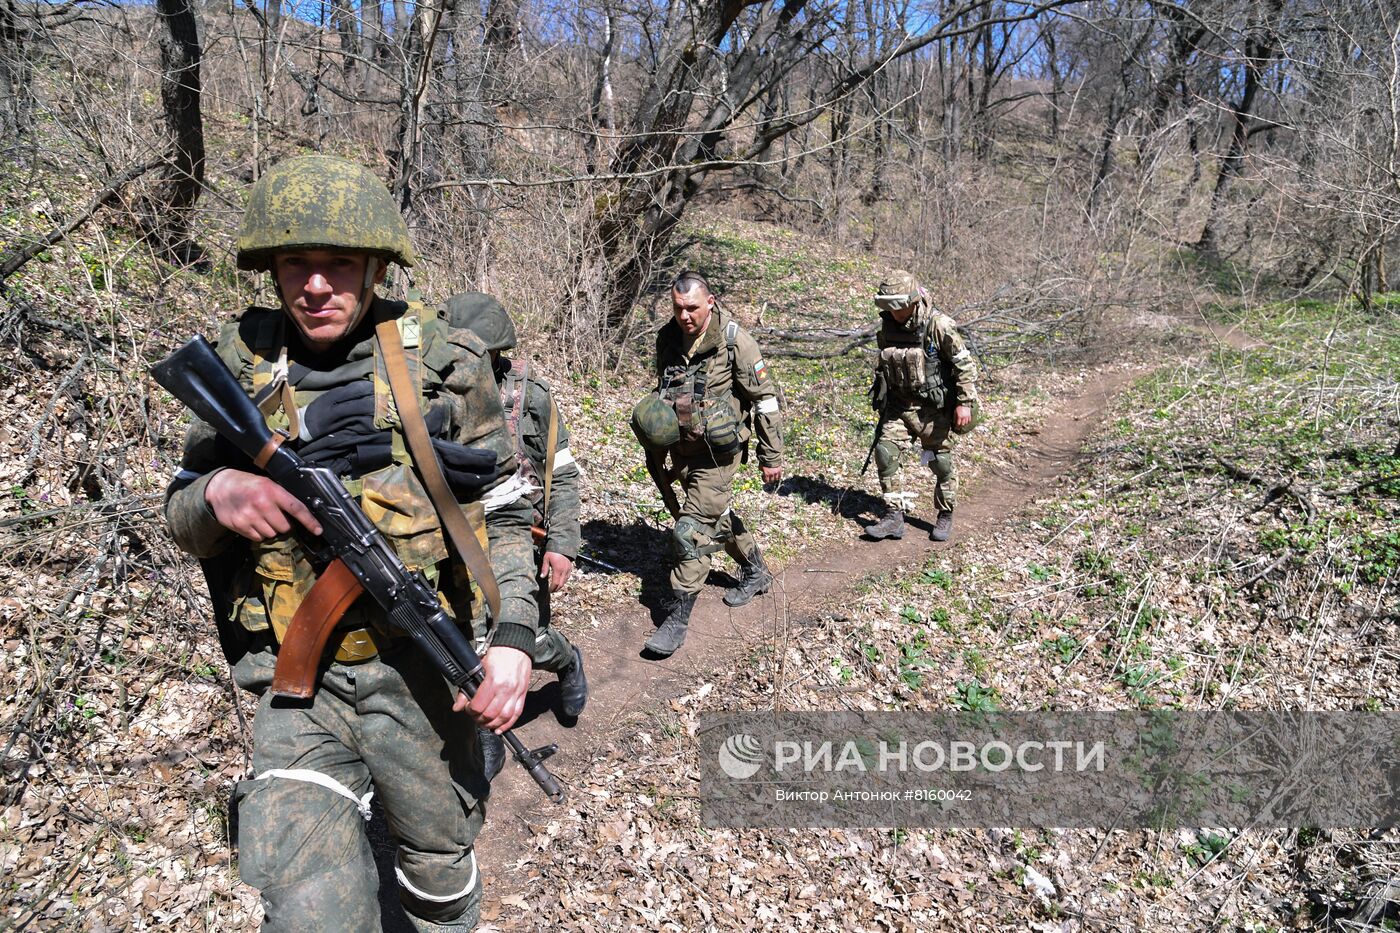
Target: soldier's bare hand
[
  {"x": 555, "y": 568},
  {"x": 773, "y": 474},
  {"x": 254, "y": 506},
  {"x": 500, "y": 698},
  {"x": 962, "y": 416}
]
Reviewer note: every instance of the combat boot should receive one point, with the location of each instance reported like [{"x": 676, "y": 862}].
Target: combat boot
[
  {"x": 890, "y": 525},
  {"x": 493, "y": 753},
  {"x": 671, "y": 635},
  {"x": 754, "y": 581},
  {"x": 942, "y": 529},
  {"x": 573, "y": 687}
]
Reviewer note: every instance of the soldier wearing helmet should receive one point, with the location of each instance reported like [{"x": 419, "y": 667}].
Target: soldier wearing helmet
[
  {"x": 714, "y": 394},
  {"x": 382, "y": 720},
  {"x": 925, "y": 389},
  {"x": 545, "y": 462}
]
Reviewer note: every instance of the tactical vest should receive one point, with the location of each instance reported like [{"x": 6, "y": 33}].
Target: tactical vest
[
  {"x": 278, "y": 575},
  {"x": 704, "y": 416},
  {"x": 912, "y": 367}
]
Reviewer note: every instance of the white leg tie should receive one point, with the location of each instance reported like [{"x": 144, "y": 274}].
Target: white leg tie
[
  {"x": 903, "y": 501},
  {"x": 436, "y": 898},
  {"x": 322, "y": 780}
]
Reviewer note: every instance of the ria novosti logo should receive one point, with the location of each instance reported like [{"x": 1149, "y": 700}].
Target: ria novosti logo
[{"x": 741, "y": 756}]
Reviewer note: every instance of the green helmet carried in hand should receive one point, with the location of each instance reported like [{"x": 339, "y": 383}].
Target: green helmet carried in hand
[
  {"x": 321, "y": 202},
  {"x": 655, "y": 423},
  {"x": 484, "y": 316},
  {"x": 976, "y": 419}
]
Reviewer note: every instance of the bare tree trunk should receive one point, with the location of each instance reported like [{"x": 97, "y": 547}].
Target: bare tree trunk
[
  {"x": 1057, "y": 80},
  {"x": 168, "y": 216},
  {"x": 1260, "y": 48},
  {"x": 372, "y": 31},
  {"x": 344, "y": 20},
  {"x": 602, "y": 108},
  {"x": 1118, "y": 106},
  {"x": 15, "y": 72}
]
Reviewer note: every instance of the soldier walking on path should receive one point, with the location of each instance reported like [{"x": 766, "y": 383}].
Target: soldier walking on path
[
  {"x": 405, "y": 410},
  {"x": 714, "y": 393},
  {"x": 544, "y": 461},
  {"x": 925, "y": 388}
]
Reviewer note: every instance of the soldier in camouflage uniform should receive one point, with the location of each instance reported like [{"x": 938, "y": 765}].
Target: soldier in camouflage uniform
[
  {"x": 532, "y": 417},
  {"x": 925, "y": 388},
  {"x": 713, "y": 381},
  {"x": 382, "y": 719}
]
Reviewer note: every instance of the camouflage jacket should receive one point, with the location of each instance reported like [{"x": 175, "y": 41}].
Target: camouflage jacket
[
  {"x": 951, "y": 373},
  {"x": 454, "y": 370},
  {"x": 746, "y": 387},
  {"x": 528, "y": 403}
]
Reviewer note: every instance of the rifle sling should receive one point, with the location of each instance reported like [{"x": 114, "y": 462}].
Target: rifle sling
[
  {"x": 299, "y": 656},
  {"x": 420, "y": 446},
  {"x": 550, "y": 449}
]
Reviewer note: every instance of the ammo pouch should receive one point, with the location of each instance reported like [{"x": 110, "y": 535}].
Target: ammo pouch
[{"x": 904, "y": 371}]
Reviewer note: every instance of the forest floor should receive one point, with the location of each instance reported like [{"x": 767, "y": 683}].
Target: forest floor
[{"x": 1103, "y": 558}]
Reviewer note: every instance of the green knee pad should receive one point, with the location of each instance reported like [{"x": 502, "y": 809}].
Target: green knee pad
[
  {"x": 886, "y": 459},
  {"x": 941, "y": 465},
  {"x": 692, "y": 539}
]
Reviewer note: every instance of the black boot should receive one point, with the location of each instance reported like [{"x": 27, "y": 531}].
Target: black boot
[
  {"x": 493, "y": 753},
  {"x": 671, "y": 635},
  {"x": 573, "y": 687},
  {"x": 943, "y": 528},
  {"x": 754, "y": 581},
  {"x": 890, "y": 525}
]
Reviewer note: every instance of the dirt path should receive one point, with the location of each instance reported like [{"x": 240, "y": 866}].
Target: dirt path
[{"x": 622, "y": 682}]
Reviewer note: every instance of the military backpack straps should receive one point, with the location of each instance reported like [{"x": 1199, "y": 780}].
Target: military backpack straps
[
  {"x": 515, "y": 398},
  {"x": 454, "y": 521}
]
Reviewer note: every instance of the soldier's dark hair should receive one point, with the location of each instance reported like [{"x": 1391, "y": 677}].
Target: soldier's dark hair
[{"x": 688, "y": 281}]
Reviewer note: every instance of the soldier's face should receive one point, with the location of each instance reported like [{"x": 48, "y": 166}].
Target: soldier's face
[
  {"x": 322, "y": 290},
  {"x": 903, "y": 314},
  {"x": 692, "y": 310}
]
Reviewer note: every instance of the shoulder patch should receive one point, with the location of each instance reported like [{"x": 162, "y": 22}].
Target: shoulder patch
[{"x": 760, "y": 369}]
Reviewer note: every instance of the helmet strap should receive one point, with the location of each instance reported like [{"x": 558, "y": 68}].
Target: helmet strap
[{"x": 366, "y": 293}]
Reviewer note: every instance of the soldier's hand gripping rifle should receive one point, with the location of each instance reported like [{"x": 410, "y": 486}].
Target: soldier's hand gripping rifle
[
  {"x": 541, "y": 534},
  {"x": 195, "y": 375}
]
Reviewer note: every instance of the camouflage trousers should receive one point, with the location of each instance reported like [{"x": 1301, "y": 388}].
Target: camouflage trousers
[
  {"x": 385, "y": 724},
  {"x": 932, "y": 428},
  {"x": 553, "y": 652},
  {"x": 706, "y": 520}
]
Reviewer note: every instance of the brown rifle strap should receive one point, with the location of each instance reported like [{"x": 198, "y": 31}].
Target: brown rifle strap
[
  {"x": 420, "y": 446},
  {"x": 299, "y": 656},
  {"x": 551, "y": 448}
]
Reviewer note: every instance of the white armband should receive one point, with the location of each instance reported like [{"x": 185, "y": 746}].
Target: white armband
[{"x": 768, "y": 406}]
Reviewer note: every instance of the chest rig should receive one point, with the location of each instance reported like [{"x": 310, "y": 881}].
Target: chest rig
[
  {"x": 911, "y": 364},
  {"x": 279, "y": 575},
  {"x": 709, "y": 420}
]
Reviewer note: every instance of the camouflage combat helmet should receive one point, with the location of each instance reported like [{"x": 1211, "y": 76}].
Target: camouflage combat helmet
[
  {"x": 898, "y": 290},
  {"x": 484, "y": 316},
  {"x": 316, "y": 201},
  {"x": 655, "y": 423}
]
